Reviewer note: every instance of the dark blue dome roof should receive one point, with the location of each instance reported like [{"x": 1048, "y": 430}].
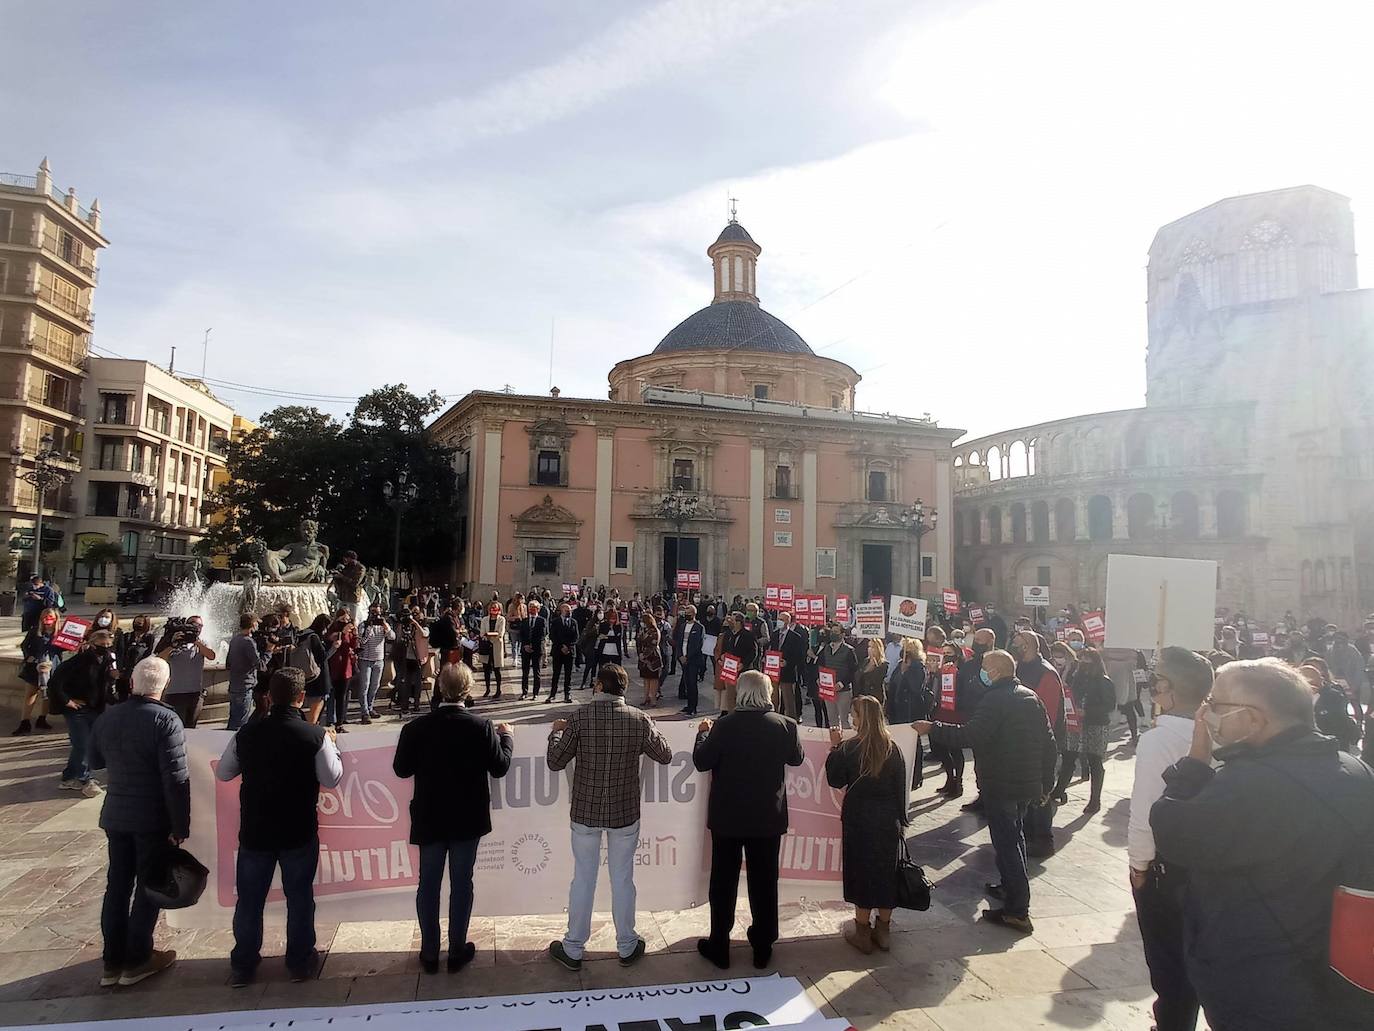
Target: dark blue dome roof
[
  {"x": 733, "y": 325},
  {"x": 734, "y": 233}
]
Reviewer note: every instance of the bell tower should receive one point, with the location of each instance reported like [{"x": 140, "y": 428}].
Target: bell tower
[{"x": 734, "y": 259}]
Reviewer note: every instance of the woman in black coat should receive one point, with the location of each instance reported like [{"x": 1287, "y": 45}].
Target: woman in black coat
[
  {"x": 911, "y": 697},
  {"x": 872, "y": 773},
  {"x": 132, "y": 647}
]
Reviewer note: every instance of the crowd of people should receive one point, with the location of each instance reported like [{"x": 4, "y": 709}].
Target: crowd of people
[{"x": 1249, "y": 810}]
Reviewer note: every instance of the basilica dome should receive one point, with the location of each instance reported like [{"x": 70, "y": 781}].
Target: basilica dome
[{"x": 733, "y": 326}]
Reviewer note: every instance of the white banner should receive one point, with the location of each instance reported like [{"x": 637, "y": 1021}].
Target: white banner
[
  {"x": 870, "y": 620},
  {"x": 368, "y": 869},
  {"x": 723, "y": 1004},
  {"x": 907, "y": 617}
]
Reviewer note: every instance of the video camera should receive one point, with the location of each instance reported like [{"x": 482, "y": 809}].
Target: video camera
[{"x": 180, "y": 630}]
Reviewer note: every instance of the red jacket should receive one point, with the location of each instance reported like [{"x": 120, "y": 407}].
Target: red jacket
[{"x": 1043, "y": 679}]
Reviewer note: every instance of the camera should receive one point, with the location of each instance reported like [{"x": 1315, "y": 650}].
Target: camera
[{"x": 180, "y": 630}]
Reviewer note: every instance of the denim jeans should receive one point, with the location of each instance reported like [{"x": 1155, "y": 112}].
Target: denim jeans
[
  {"x": 461, "y": 855},
  {"x": 1005, "y": 820},
  {"x": 621, "y": 843},
  {"x": 127, "y": 918},
  {"x": 368, "y": 680},
  {"x": 239, "y": 707},
  {"x": 79, "y": 722},
  {"x": 253, "y": 880}
]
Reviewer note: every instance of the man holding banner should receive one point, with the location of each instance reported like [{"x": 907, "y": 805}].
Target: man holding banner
[{"x": 790, "y": 643}]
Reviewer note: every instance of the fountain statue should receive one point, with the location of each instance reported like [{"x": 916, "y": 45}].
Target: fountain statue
[{"x": 305, "y": 561}]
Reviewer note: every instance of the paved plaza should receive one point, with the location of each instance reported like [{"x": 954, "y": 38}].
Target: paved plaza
[{"x": 1082, "y": 968}]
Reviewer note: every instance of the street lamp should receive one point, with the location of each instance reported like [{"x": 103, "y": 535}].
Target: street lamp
[
  {"x": 679, "y": 508},
  {"x": 918, "y": 521},
  {"x": 400, "y": 497},
  {"x": 44, "y": 475}
]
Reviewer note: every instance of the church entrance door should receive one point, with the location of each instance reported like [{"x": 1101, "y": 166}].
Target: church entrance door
[
  {"x": 877, "y": 571},
  {"x": 690, "y": 558}
]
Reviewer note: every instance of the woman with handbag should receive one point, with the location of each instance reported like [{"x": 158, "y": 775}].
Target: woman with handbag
[
  {"x": 650, "y": 658},
  {"x": 41, "y": 657},
  {"x": 872, "y": 772},
  {"x": 491, "y": 647}
]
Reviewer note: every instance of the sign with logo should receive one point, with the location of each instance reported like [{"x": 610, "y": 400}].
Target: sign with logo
[
  {"x": 949, "y": 597},
  {"x": 367, "y": 868},
  {"x": 949, "y": 675},
  {"x": 71, "y": 634},
  {"x": 825, "y": 684},
  {"x": 907, "y": 617},
  {"x": 786, "y": 597},
  {"x": 1072, "y": 720},
  {"x": 842, "y": 609},
  {"x": 1035, "y": 597},
  {"x": 1095, "y": 627},
  {"x": 817, "y": 605},
  {"x": 977, "y": 614},
  {"x": 688, "y": 580},
  {"x": 870, "y": 621},
  {"x": 1260, "y": 638},
  {"x": 729, "y": 669},
  {"x": 772, "y": 665},
  {"x": 570, "y": 590}
]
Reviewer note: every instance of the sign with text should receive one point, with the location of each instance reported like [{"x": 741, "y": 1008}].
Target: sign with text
[
  {"x": 949, "y": 678},
  {"x": 870, "y": 621},
  {"x": 842, "y": 609},
  {"x": 71, "y": 634},
  {"x": 949, "y": 597},
  {"x": 367, "y": 868},
  {"x": 825, "y": 684},
  {"x": 772, "y": 665},
  {"x": 729, "y": 669},
  {"x": 570, "y": 590},
  {"x": 1094, "y": 627},
  {"x": 688, "y": 580},
  {"x": 771, "y": 594},
  {"x": 1035, "y": 597},
  {"x": 977, "y": 615},
  {"x": 786, "y": 597},
  {"x": 907, "y": 617}
]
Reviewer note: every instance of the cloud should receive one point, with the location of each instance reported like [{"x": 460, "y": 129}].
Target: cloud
[{"x": 643, "y": 47}]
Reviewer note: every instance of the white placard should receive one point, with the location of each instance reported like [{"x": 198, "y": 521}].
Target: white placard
[
  {"x": 1036, "y": 597},
  {"x": 870, "y": 620},
  {"x": 1141, "y": 588},
  {"x": 907, "y": 617}
]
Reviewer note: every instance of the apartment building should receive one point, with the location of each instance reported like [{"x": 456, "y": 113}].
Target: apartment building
[
  {"x": 48, "y": 247},
  {"x": 153, "y": 449}
]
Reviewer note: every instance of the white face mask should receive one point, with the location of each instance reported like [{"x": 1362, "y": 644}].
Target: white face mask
[{"x": 103, "y": 621}]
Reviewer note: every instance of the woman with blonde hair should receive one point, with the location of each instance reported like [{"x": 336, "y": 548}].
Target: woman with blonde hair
[
  {"x": 911, "y": 696},
  {"x": 491, "y": 646},
  {"x": 870, "y": 769},
  {"x": 650, "y": 658},
  {"x": 872, "y": 678}
]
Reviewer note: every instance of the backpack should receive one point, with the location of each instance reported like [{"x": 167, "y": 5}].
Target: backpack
[{"x": 300, "y": 656}]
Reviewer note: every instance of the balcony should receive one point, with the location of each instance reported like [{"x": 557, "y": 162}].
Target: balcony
[
  {"x": 36, "y": 395},
  {"x": 74, "y": 307},
  {"x": 73, "y": 253}
]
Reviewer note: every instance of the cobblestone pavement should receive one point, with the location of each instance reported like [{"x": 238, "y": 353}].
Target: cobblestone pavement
[{"x": 1082, "y": 968}]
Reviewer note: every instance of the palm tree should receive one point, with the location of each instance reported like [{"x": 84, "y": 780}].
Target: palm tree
[{"x": 99, "y": 554}]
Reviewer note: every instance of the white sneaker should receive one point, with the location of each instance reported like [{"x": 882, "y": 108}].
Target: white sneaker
[
  {"x": 70, "y": 785},
  {"x": 91, "y": 789}
]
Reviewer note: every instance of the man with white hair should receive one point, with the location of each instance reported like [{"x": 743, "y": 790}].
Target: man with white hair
[
  {"x": 1266, "y": 839},
  {"x": 141, "y": 746}
]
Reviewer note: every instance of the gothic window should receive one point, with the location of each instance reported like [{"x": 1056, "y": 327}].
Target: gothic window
[
  {"x": 1201, "y": 265},
  {"x": 684, "y": 474},
  {"x": 550, "y": 469},
  {"x": 1268, "y": 263}
]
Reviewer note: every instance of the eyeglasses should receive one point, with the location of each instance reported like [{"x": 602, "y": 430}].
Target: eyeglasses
[{"x": 1212, "y": 703}]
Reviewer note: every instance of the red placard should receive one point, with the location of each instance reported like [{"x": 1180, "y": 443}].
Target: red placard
[
  {"x": 816, "y": 602},
  {"x": 977, "y": 614},
  {"x": 948, "y": 676},
  {"x": 950, "y": 597},
  {"x": 1072, "y": 718},
  {"x": 1095, "y": 627},
  {"x": 730, "y": 667},
  {"x": 786, "y": 597},
  {"x": 688, "y": 580},
  {"x": 71, "y": 634},
  {"x": 1352, "y": 929},
  {"x": 770, "y": 595},
  {"x": 825, "y": 684},
  {"x": 772, "y": 665},
  {"x": 842, "y": 613}
]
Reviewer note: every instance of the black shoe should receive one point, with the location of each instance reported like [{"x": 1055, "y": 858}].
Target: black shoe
[
  {"x": 685, "y": 710},
  {"x": 486, "y": 693},
  {"x": 24, "y": 728},
  {"x": 339, "y": 728},
  {"x": 458, "y": 960},
  {"x": 993, "y": 891},
  {"x": 953, "y": 789},
  {"x": 366, "y": 721},
  {"x": 635, "y": 956},
  {"x": 550, "y": 699},
  {"x": 240, "y": 978},
  {"x": 42, "y": 724},
  {"x": 720, "y": 957},
  {"x": 522, "y": 696},
  {"x": 429, "y": 966},
  {"x": 308, "y": 972},
  {"x": 561, "y": 957},
  {"x": 976, "y": 806},
  {"x": 567, "y": 698},
  {"x": 763, "y": 954},
  {"x": 1094, "y": 806},
  {"x": 1061, "y": 798},
  {"x": 1021, "y": 924},
  {"x": 1040, "y": 849}
]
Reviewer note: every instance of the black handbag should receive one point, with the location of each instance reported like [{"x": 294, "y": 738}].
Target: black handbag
[{"x": 913, "y": 886}]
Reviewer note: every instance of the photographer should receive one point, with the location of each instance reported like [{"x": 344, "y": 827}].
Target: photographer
[{"x": 184, "y": 651}]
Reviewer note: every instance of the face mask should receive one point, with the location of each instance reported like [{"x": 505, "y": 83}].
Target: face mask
[
  {"x": 980, "y": 649},
  {"x": 983, "y": 676},
  {"x": 103, "y": 621},
  {"x": 1213, "y": 720},
  {"x": 1077, "y": 646}
]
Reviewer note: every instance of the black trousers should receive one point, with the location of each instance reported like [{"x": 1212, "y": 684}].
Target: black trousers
[
  {"x": 529, "y": 661},
  {"x": 1159, "y": 911},
  {"x": 761, "y": 855},
  {"x": 562, "y": 663}
]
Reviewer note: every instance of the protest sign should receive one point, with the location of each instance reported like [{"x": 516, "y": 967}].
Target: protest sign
[
  {"x": 786, "y": 597},
  {"x": 1260, "y": 638},
  {"x": 1155, "y": 601},
  {"x": 1094, "y": 627},
  {"x": 1072, "y": 719},
  {"x": 908, "y": 617},
  {"x": 870, "y": 622},
  {"x": 951, "y": 600},
  {"x": 570, "y": 590},
  {"x": 842, "y": 609},
  {"x": 977, "y": 615},
  {"x": 72, "y": 633},
  {"x": 949, "y": 678},
  {"x": 770, "y": 595},
  {"x": 367, "y": 867},
  {"x": 825, "y": 684},
  {"x": 1035, "y": 597},
  {"x": 772, "y": 665},
  {"x": 729, "y": 669},
  {"x": 817, "y": 603},
  {"x": 688, "y": 580}
]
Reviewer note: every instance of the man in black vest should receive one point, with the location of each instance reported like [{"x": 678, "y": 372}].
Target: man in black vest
[
  {"x": 563, "y": 641},
  {"x": 284, "y": 761}
]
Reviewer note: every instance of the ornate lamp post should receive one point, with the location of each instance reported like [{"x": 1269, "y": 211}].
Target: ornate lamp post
[
  {"x": 44, "y": 475},
  {"x": 400, "y": 497},
  {"x": 679, "y": 508},
  {"x": 918, "y": 521}
]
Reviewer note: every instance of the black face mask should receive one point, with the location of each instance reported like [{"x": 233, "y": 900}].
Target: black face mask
[{"x": 980, "y": 650}]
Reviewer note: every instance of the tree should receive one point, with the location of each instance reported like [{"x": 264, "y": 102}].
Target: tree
[
  {"x": 301, "y": 462},
  {"x": 97, "y": 555}
]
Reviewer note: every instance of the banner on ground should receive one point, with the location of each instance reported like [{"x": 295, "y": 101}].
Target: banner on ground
[
  {"x": 688, "y": 580},
  {"x": 951, "y": 600},
  {"x": 367, "y": 868},
  {"x": 870, "y": 621},
  {"x": 908, "y": 617}
]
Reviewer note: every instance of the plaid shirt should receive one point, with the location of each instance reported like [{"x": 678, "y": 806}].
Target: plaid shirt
[{"x": 607, "y": 737}]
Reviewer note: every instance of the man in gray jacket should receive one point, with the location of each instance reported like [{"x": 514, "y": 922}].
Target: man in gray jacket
[{"x": 141, "y": 745}]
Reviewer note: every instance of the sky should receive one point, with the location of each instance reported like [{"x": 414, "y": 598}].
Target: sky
[{"x": 956, "y": 198}]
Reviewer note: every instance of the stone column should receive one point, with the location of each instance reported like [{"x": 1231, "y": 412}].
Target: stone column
[
  {"x": 491, "y": 504},
  {"x": 1080, "y": 508},
  {"x": 601, "y": 558},
  {"x": 943, "y": 536},
  {"x": 1120, "y": 520},
  {"x": 756, "y": 518},
  {"x": 808, "y": 528}
]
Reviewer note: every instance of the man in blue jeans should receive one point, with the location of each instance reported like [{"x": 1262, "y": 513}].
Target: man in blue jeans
[
  {"x": 606, "y": 737},
  {"x": 1014, "y": 758},
  {"x": 284, "y": 762}
]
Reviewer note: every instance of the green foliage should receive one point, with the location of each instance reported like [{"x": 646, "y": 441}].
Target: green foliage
[
  {"x": 100, "y": 553},
  {"x": 301, "y": 462}
]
